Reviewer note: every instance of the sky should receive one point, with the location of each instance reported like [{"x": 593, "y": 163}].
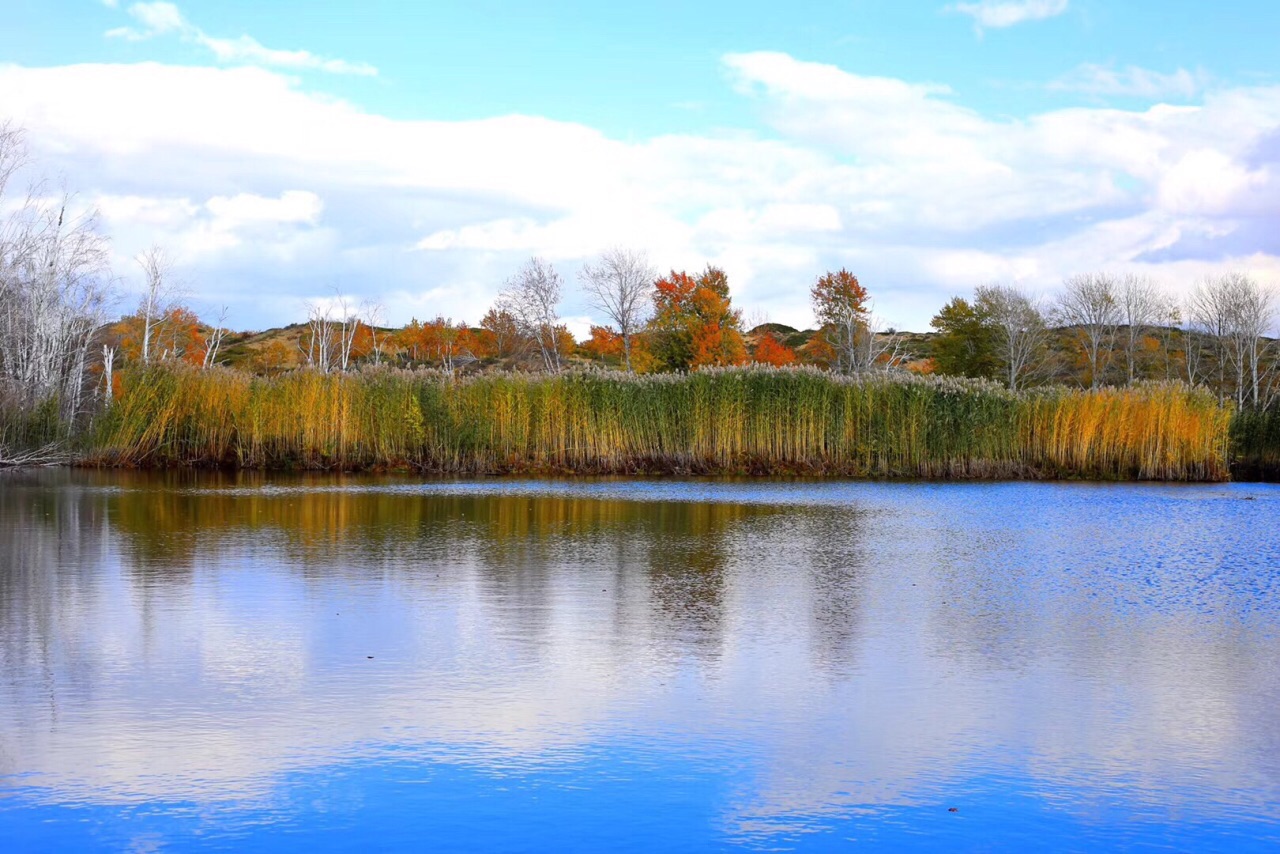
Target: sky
[{"x": 417, "y": 153}]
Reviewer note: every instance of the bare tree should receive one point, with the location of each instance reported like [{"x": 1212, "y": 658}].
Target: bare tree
[
  {"x": 319, "y": 349},
  {"x": 532, "y": 297},
  {"x": 1141, "y": 306},
  {"x": 108, "y": 372},
  {"x": 619, "y": 284},
  {"x": 373, "y": 314},
  {"x": 158, "y": 293},
  {"x": 348, "y": 325},
  {"x": 868, "y": 346},
  {"x": 1251, "y": 313},
  {"x": 332, "y": 326},
  {"x": 1089, "y": 304},
  {"x": 1209, "y": 316},
  {"x": 1196, "y": 340},
  {"x": 13, "y": 153},
  {"x": 1233, "y": 313},
  {"x": 213, "y": 341},
  {"x": 56, "y": 288},
  {"x": 1020, "y": 332}
]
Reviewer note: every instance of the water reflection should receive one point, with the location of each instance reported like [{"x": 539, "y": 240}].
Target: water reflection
[{"x": 818, "y": 656}]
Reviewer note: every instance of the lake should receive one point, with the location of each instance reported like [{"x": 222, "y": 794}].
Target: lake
[{"x": 202, "y": 661}]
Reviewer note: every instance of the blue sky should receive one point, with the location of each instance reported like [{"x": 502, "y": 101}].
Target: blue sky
[{"x": 413, "y": 153}]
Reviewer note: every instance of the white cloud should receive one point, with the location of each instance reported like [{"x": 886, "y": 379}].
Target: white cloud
[
  {"x": 997, "y": 14},
  {"x": 157, "y": 19},
  {"x": 161, "y": 18},
  {"x": 1205, "y": 181},
  {"x": 293, "y": 206},
  {"x": 274, "y": 193},
  {"x": 228, "y": 232},
  {"x": 1131, "y": 81}
]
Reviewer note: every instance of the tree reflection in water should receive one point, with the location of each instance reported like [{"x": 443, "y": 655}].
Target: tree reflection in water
[{"x": 822, "y": 649}]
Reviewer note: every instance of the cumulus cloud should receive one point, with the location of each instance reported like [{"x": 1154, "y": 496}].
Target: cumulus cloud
[
  {"x": 161, "y": 18},
  {"x": 276, "y": 194},
  {"x": 997, "y": 14},
  {"x": 1131, "y": 81}
]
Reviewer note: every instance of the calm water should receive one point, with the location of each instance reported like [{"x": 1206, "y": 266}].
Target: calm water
[{"x": 331, "y": 664}]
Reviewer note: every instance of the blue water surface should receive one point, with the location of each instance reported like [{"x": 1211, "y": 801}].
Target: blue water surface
[{"x": 205, "y": 662}]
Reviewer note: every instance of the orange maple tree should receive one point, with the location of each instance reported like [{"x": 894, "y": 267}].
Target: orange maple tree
[
  {"x": 694, "y": 323},
  {"x": 604, "y": 344},
  {"x": 771, "y": 351}
]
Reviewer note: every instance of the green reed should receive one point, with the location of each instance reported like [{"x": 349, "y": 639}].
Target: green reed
[{"x": 1255, "y": 444}]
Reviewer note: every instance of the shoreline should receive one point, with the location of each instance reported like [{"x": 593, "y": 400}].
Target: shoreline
[{"x": 778, "y": 474}]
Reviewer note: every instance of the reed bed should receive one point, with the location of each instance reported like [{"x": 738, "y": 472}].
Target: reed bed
[{"x": 755, "y": 420}]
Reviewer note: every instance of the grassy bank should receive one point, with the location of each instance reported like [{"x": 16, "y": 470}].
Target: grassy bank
[{"x": 754, "y": 420}]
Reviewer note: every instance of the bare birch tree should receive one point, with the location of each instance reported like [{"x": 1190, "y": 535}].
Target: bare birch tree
[
  {"x": 1250, "y": 314},
  {"x": 1211, "y": 315},
  {"x": 158, "y": 292},
  {"x": 348, "y": 321},
  {"x": 373, "y": 314},
  {"x": 319, "y": 345},
  {"x": 532, "y": 297},
  {"x": 1089, "y": 304},
  {"x": 867, "y": 346},
  {"x": 620, "y": 284},
  {"x": 213, "y": 341},
  {"x": 1020, "y": 332},
  {"x": 1195, "y": 341},
  {"x": 1140, "y": 306},
  {"x": 108, "y": 373},
  {"x": 55, "y": 287},
  {"x": 331, "y": 332}
]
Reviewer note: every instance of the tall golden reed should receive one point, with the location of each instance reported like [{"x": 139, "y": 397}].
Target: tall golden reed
[{"x": 734, "y": 420}]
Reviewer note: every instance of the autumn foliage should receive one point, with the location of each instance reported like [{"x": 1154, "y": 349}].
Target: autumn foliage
[
  {"x": 694, "y": 324},
  {"x": 175, "y": 335},
  {"x": 771, "y": 351},
  {"x": 604, "y": 345},
  {"x": 439, "y": 342},
  {"x": 838, "y": 298}
]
